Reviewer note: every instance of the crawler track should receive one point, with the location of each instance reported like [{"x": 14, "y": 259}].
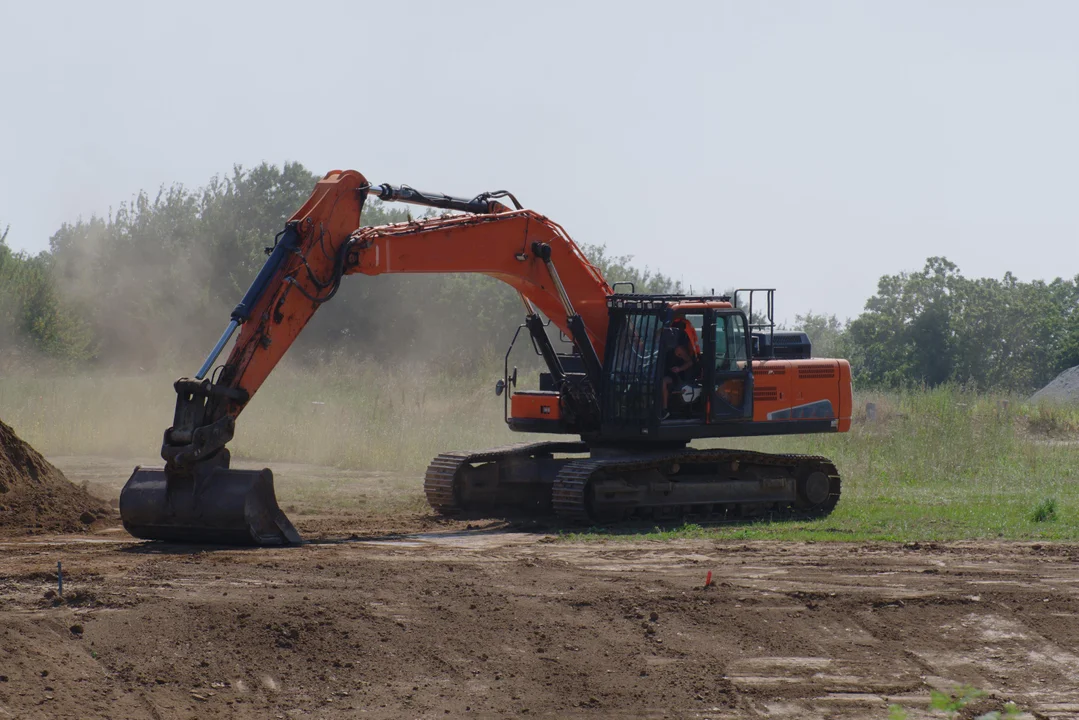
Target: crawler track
[
  {"x": 450, "y": 485},
  {"x": 706, "y": 485},
  {"x": 710, "y": 485}
]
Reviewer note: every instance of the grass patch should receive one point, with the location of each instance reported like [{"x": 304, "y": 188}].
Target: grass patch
[
  {"x": 952, "y": 705},
  {"x": 936, "y": 465},
  {"x": 1046, "y": 511},
  {"x": 1051, "y": 419}
]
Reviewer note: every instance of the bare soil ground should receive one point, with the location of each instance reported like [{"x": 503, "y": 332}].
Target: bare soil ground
[{"x": 448, "y": 621}]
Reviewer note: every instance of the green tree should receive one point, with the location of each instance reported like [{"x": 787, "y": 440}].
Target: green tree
[
  {"x": 159, "y": 275},
  {"x": 620, "y": 268},
  {"x": 937, "y": 326},
  {"x": 904, "y": 335},
  {"x": 33, "y": 318},
  {"x": 827, "y": 334}
]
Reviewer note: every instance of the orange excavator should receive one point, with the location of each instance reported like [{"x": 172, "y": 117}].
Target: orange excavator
[{"x": 642, "y": 376}]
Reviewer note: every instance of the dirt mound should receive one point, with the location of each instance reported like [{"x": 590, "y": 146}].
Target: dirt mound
[
  {"x": 35, "y": 497},
  {"x": 1064, "y": 388}
]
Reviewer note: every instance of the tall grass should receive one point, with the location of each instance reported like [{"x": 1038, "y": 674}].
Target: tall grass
[
  {"x": 944, "y": 463},
  {"x": 342, "y": 413},
  {"x": 935, "y": 464}
]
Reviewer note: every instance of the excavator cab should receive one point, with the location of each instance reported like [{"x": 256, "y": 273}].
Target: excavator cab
[
  {"x": 644, "y": 332},
  {"x": 640, "y": 392}
]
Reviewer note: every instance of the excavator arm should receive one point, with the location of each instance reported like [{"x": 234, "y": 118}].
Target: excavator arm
[{"x": 196, "y": 497}]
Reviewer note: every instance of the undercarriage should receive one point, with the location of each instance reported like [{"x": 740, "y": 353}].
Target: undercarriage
[{"x": 604, "y": 485}]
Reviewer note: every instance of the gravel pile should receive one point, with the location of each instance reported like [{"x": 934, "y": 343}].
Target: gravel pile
[{"x": 1064, "y": 388}]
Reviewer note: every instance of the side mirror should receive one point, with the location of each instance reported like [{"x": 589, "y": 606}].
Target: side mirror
[{"x": 510, "y": 381}]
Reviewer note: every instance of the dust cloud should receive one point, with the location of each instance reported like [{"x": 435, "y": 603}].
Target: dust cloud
[{"x": 390, "y": 372}]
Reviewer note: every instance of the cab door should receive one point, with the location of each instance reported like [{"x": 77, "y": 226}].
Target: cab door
[{"x": 731, "y": 380}]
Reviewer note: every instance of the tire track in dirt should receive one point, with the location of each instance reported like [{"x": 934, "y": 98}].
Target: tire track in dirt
[{"x": 482, "y": 623}]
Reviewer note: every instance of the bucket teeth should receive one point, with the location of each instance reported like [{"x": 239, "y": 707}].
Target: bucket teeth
[{"x": 216, "y": 506}]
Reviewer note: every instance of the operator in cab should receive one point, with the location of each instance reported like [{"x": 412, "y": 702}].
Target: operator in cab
[{"x": 681, "y": 363}]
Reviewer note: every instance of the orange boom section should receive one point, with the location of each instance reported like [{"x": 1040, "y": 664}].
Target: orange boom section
[
  {"x": 500, "y": 246},
  {"x": 329, "y": 244},
  {"x": 280, "y": 313}
]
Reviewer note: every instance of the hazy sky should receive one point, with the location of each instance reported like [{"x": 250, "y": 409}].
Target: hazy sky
[{"x": 813, "y": 146}]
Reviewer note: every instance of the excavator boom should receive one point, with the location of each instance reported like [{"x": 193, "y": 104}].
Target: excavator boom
[{"x": 196, "y": 497}]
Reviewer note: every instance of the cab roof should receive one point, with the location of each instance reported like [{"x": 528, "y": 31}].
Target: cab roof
[{"x": 672, "y": 301}]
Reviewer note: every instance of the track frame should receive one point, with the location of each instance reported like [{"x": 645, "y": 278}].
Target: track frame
[{"x": 615, "y": 485}]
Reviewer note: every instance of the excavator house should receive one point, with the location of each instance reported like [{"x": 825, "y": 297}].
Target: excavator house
[{"x": 639, "y": 377}]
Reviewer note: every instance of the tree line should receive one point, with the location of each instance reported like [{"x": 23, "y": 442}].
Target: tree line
[
  {"x": 937, "y": 326},
  {"x": 153, "y": 281}
]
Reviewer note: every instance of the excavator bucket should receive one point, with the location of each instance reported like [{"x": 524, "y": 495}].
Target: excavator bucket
[{"x": 216, "y": 506}]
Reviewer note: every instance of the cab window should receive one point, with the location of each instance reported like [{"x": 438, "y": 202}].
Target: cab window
[
  {"x": 730, "y": 342},
  {"x": 737, "y": 340}
]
